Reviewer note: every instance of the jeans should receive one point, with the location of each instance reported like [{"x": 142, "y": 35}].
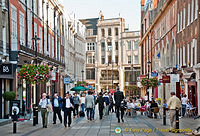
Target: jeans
[
  {"x": 75, "y": 112},
  {"x": 82, "y": 107},
  {"x": 183, "y": 109},
  {"x": 89, "y": 111},
  {"x": 93, "y": 112}
]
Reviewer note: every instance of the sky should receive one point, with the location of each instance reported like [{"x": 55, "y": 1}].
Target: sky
[{"x": 128, "y": 9}]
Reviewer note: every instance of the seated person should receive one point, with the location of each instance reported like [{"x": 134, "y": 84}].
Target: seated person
[
  {"x": 153, "y": 105},
  {"x": 133, "y": 105},
  {"x": 165, "y": 104},
  {"x": 129, "y": 104}
]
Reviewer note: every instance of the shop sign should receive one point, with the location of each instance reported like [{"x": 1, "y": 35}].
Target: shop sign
[
  {"x": 6, "y": 69},
  {"x": 67, "y": 80},
  {"x": 174, "y": 78},
  {"x": 166, "y": 79}
]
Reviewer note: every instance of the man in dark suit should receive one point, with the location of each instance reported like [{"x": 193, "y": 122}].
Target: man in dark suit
[
  {"x": 57, "y": 106},
  {"x": 101, "y": 102},
  {"x": 68, "y": 105},
  {"x": 119, "y": 96}
]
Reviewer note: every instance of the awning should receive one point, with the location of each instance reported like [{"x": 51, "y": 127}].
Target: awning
[{"x": 188, "y": 73}]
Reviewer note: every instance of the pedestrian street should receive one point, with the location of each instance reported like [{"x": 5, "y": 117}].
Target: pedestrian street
[{"x": 139, "y": 125}]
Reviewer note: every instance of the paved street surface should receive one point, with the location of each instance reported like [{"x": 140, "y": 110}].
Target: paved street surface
[{"x": 136, "y": 126}]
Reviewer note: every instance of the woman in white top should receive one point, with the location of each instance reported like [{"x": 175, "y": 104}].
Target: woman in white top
[
  {"x": 184, "y": 103},
  {"x": 83, "y": 102}
]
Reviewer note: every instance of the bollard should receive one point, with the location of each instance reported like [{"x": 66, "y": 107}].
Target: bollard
[
  {"x": 36, "y": 114},
  {"x": 177, "y": 120},
  {"x": 14, "y": 122},
  {"x": 164, "y": 115}
]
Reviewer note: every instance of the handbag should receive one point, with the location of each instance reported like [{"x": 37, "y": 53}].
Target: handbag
[{"x": 49, "y": 106}]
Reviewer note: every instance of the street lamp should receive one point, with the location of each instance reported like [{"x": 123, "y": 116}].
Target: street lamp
[
  {"x": 82, "y": 75},
  {"x": 35, "y": 121},
  {"x": 148, "y": 63}
]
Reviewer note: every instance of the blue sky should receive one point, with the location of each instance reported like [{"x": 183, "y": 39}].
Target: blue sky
[{"x": 128, "y": 9}]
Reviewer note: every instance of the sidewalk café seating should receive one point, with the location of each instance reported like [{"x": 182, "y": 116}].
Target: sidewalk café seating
[
  {"x": 191, "y": 112},
  {"x": 133, "y": 112}
]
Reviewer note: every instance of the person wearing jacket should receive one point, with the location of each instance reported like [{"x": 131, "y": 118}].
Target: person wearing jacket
[
  {"x": 119, "y": 96},
  {"x": 68, "y": 106},
  {"x": 106, "y": 99},
  {"x": 101, "y": 102},
  {"x": 89, "y": 104},
  {"x": 57, "y": 106}
]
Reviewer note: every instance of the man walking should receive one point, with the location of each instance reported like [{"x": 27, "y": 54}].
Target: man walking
[
  {"x": 57, "y": 105},
  {"x": 172, "y": 104},
  {"x": 119, "y": 96},
  {"x": 44, "y": 105},
  {"x": 77, "y": 102},
  {"x": 68, "y": 105},
  {"x": 89, "y": 104},
  {"x": 106, "y": 99},
  {"x": 101, "y": 101},
  {"x": 93, "y": 110}
]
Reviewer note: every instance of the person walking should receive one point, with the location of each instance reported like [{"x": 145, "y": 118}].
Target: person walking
[
  {"x": 44, "y": 105},
  {"x": 106, "y": 99},
  {"x": 111, "y": 102},
  {"x": 100, "y": 101},
  {"x": 82, "y": 102},
  {"x": 93, "y": 110},
  {"x": 184, "y": 101},
  {"x": 172, "y": 104},
  {"x": 89, "y": 104},
  {"x": 76, "y": 101},
  {"x": 68, "y": 106},
  {"x": 119, "y": 96},
  {"x": 57, "y": 106}
]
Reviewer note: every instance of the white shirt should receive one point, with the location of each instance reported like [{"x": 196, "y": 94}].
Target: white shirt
[
  {"x": 133, "y": 105},
  {"x": 68, "y": 103},
  {"x": 43, "y": 103},
  {"x": 83, "y": 100},
  {"x": 56, "y": 104},
  {"x": 184, "y": 100},
  {"x": 129, "y": 105},
  {"x": 145, "y": 98}
]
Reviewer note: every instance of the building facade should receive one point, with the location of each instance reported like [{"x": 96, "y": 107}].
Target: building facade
[
  {"x": 75, "y": 52},
  {"x": 28, "y": 19},
  {"x": 169, "y": 40},
  {"x": 111, "y": 54}
]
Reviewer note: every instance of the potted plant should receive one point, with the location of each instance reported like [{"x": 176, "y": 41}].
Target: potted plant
[{"x": 9, "y": 96}]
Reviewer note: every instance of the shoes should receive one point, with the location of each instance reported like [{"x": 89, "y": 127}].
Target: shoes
[
  {"x": 74, "y": 117},
  {"x": 68, "y": 125},
  {"x": 61, "y": 122},
  {"x": 88, "y": 118},
  {"x": 122, "y": 120},
  {"x": 45, "y": 126},
  {"x": 118, "y": 120},
  {"x": 77, "y": 116},
  {"x": 65, "y": 125},
  {"x": 54, "y": 123}
]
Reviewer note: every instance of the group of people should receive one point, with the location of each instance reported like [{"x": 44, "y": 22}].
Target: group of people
[
  {"x": 86, "y": 102},
  {"x": 106, "y": 103}
]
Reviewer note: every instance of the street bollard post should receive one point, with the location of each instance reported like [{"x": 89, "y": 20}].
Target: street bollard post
[
  {"x": 34, "y": 115},
  {"x": 177, "y": 120},
  {"x": 164, "y": 115},
  {"x": 14, "y": 121}
]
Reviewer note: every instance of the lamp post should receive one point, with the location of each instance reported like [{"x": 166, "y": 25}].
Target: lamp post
[
  {"x": 112, "y": 74},
  {"x": 148, "y": 63},
  {"x": 82, "y": 75},
  {"x": 36, "y": 39}
]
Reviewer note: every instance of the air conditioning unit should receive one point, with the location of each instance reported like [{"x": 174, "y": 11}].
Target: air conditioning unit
[{"x": 4, "y": 9}]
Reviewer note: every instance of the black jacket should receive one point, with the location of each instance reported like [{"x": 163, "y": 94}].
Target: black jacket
[
  {"x": 118, "y": 96},
  {"x": 64, "y": 103},
  {"x": 101, "y": 101}
]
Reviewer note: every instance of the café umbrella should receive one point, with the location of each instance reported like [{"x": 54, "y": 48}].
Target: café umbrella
[{"x": 79, "y": 88}]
